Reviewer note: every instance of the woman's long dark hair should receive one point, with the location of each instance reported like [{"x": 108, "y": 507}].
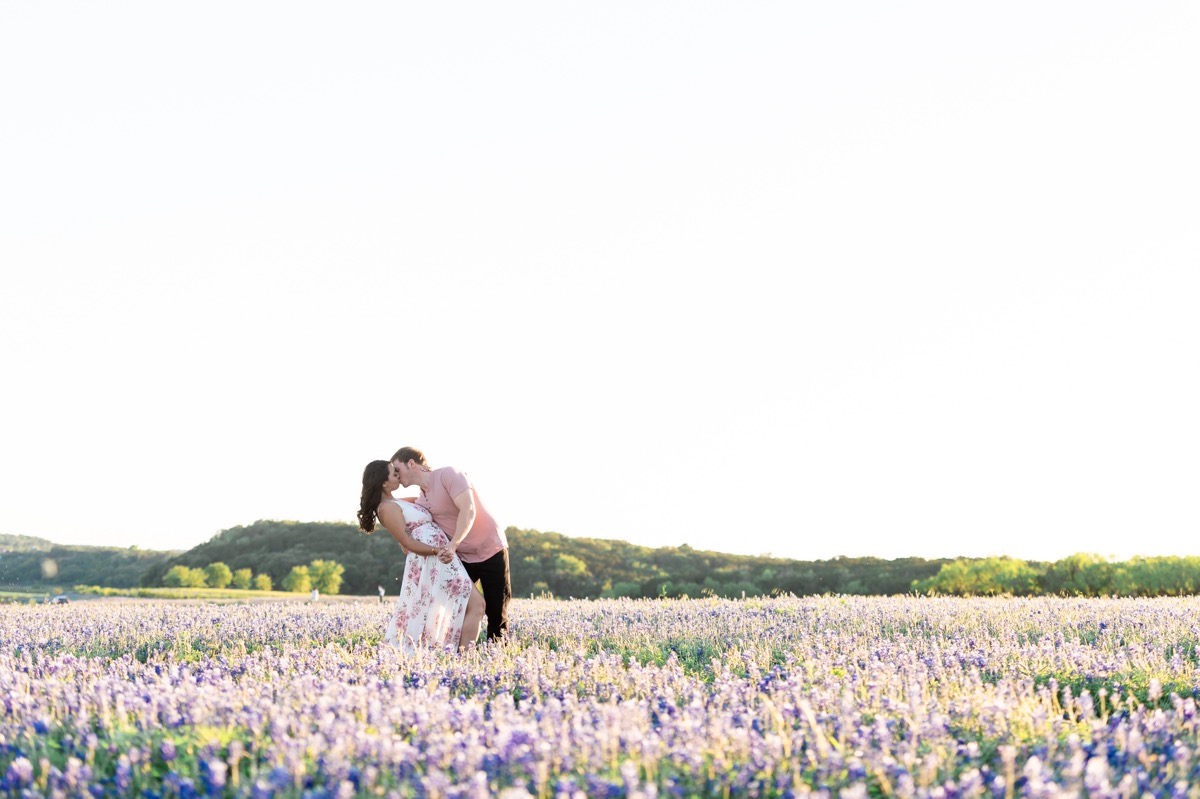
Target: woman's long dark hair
[{"x": 374, "y": 476}]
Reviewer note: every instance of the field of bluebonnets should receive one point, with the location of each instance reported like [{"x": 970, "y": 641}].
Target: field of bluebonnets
[{"x": 823, "y": 696}]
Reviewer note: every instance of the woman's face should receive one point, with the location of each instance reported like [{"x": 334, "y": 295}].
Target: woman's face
[{"x": 393, "y": 480}]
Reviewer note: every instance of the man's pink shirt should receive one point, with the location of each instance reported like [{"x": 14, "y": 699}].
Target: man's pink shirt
[{"x": 485, "y": 538}]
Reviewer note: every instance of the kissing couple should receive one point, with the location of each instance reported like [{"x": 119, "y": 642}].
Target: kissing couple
[{"x": 451, "y": 542}]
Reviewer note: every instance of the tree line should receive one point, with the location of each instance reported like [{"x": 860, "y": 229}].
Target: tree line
[
  {"x": 550, "y": 564},
  {"x": 563, "y": 566},
  {"x": 23, "y": 543},
  {"x": 35, "y": 564},
  {"x": 541, "y": 564},
  {"x": 1081, "y": 574},
  {"x": 323, "y": 575}
]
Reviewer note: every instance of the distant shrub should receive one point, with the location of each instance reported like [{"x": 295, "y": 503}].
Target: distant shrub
[
  {"x": 326, "y": 575},
  {"x": 217, "y": 575},
  {"x": 183, "y": 577},
  {"x": 298, "y": 580},
  {"x": 242, "y": 578}
]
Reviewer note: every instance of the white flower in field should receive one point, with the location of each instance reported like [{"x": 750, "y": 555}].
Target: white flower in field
[
  {"x": 856, "y": 791},
  {"x": 1086, "y": 706},
  {"x": 515, "y": 793},
  {"x": 1096, "y": 774},
  {"x": 479, "y": 786},
  {"x": 1078, "y": 761},
  {"x": 1008, "y": 755}
]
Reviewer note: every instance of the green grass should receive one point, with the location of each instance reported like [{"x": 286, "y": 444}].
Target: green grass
[{"x": 23, "y": 596}]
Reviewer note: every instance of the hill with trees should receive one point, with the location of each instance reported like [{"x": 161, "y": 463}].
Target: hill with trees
[
  {"x": 337, "y": 558},
  {"x": 58, "y": 564},
  {"x": 285, "y": 551},
  {"x": 549, "y": 563},
  {"x": 23, "y": 543},
  {"x": 594, "y": 567}
]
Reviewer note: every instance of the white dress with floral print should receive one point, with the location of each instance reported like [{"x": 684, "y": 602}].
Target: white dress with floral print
[{"x": 433, "y": 596}]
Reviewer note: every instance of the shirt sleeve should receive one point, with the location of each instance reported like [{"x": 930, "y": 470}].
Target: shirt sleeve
[{"x": 455, "y": 482}]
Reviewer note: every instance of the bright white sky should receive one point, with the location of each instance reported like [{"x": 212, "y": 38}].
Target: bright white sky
[{"x": 812, "y": 279}]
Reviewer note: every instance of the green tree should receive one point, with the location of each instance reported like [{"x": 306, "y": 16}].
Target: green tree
[
  {"x": 176, "y": 577},
  {"x": 262, "y": 582},
  {"x": 983, "y": 577},
  {"x": 298, "y": 580},
  {"x": 217, "y": 575},
  {"x": 242, "y": 578},
  {"x": 1081, "y": 574},
  {"x": 736, "y": 590},
  {"x": 569, "y": 576},
  {"x": 690, "y": 590},
  {"x": 326, "y": 575},
  {"x": 622, "y": 590},
  {"x": 184, "y": 577}
]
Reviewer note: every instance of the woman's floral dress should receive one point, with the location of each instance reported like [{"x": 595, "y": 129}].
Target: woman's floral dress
[{"x": 433, "y": 596}]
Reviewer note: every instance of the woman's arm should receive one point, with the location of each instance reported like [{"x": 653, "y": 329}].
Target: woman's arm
[{"x": 393, "y": 521}]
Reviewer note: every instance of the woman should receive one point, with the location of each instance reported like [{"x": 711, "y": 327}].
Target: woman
[{"x": 438, "y": 606}]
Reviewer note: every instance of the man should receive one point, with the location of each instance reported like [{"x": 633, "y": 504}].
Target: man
[{"x": 475, "y": 537}]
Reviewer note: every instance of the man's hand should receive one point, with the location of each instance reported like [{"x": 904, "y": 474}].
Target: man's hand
[{"x": 445, "y": 554}]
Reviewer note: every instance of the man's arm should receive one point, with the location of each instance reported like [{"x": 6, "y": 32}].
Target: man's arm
[{"x": 465, "y": 502}]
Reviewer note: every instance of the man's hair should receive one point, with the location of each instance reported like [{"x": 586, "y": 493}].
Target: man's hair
[{"x": 406, "y": 454}]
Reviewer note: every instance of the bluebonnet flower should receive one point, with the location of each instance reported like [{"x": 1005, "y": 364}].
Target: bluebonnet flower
[
  {"x": 212, "y": 775},
  {"x": 19, "y": 774}
]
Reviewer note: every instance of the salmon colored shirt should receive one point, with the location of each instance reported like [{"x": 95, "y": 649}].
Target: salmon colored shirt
[{"x": 485, "y": 537}]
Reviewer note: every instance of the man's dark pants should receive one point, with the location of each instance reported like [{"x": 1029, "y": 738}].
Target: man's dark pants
[{"x": 492, "y": 575}]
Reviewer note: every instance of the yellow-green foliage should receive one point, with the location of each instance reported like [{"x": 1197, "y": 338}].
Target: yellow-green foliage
[
  {"x": 1081, "y": 574},
  {"x": 242, "y": 578},
  {"x": 182, "y": 593},
  {"x": 298, "y": 580},
  {"x": 217, "y": 575}
]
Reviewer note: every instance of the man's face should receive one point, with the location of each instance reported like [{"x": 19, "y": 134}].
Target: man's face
[{"x": 404, "y": 471}]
